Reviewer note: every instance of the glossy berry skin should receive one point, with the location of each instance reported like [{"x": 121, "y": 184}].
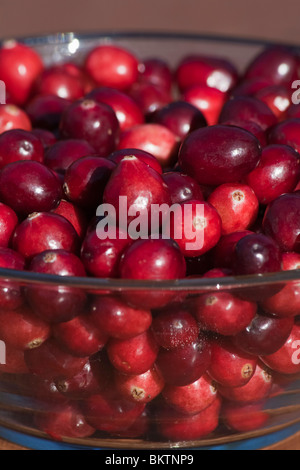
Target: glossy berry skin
[
  {"x": 65, "y": 152},
  {"x": 248, "y": 109},
  {"x": 74, "y": 214},
  {"x": 229, "y": 366},
  {"x": 112, "y": 66},
  {"x": 175, "y": 328},
  {"x": 28, "y": 186},
  {"x": 18, "y": 145},
  {"x": 222, "y": 253},
  {"x": 46, "y": 137},
  {"x": 223, "y": 313},
  {"x": 286, "y": 133},
  {"x": 11, "y": 296},
  {"x": 133, "y": 356},
  {"x": 156, "y": 71},
  {"x": 193, "y": 398},
  {"x": 13, "y": 117},
  {"x": 149, "y": 98},
  {"x": 141, "y": 388},
  {"x": 209, "y": 101},
  {"x": 286, "y": 359},
  {"x": 183, "y": 366},
  {"x": 264, "y": 335},
  {"x": 281, "y": 221},
  {"x": 20, "y": 66},
  {"x": 251, "y": 127},
  {"x": 153, "y": 138},
  {"x": 57, "y": 82},
  {"x": 277, "y": 98},
  {"x": 8, "y": 224},
  {"x": 237, "y": 206},
  {"x": 113, "y": 317},
  {"x": 277, "y": 172},
  {"x": 45, "y": 111},
  {"x": 42, "y": 231},
  {"x": 182, "y": 187},
  {"x": 249, "y": 87},
  {"x": 127, "y": 111},
  {"x": 146, "y": 157},
  {"x": 94, "y": 122},
  {"x": 244, "y": 418},
  {"x": 219, "y": 154}
]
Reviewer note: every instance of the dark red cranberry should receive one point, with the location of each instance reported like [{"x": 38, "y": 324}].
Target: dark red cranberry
[
  {"x": 180, "y": 117},
  {"x": 43, "y": 231},
  {"x": 58, "y": 82},
  {"x": 74, "y": 214},
  {"x": 277, "y": 172},
  {"x": 14, "y": 361},
  {"x": 94, "y": 122},
  {"x": 222, "y": 253},
  {"x": 10, "y": 292},
  {"x": 248, "y": 108},
  {"x": 244, "y": 418},
  {"x": 8, "y": 224},
  {"x": 113, "y": 317},
  {"x": 286, "y": 359},
  {"x": 183, "y": 366},
  {"x": 28, "y": 186},
  {"x": 127, "y": 111},
  {"x": 149, "y": 98},
  {"x": 19, "y": 144},
  {"x": 219, "y": 154},
  {"x": 152, "y": 138},
  {"x": 146, "y": 157},
  {"x": 41, "y": 389},
  {"x": 140, "y": 428},
  {"x": 251, "y": 127},
  {"x": 229, "y": 366},
  {"x": 133, "y": 356},
  {"x": 157, "y": 72},
  {"x": 65, "y": 152},
  {"x": 175, "y": 328},
  {"x": 209, "y": 101},
  {"x": 277, "y": 98},
  {"x": 112, "y": 66},
  {"x": 281, "y": 221},
  {"x": 46, "y": 137},
  {"x": 286, "y": 133},
  {"x": 182, "y": 187},
  {"x": 20, "y": 65},
  {"x": 13, "y": 117},
  {"x": 45, "y": 111},
  {"x": 251, "y": 86},
  {"x": 293, "y": 112},
  {"x": 142, "y": 388}
]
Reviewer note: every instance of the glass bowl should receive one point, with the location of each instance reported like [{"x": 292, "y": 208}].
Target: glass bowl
[{"x": 24, "y": 402}]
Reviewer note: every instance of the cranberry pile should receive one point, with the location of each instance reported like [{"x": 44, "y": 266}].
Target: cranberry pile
[{"x": 153, "y": 364}]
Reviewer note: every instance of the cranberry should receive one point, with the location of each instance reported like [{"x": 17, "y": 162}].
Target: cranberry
[
  {"x": 237, "y": 206},
  {"x": 293, "y": 112},
  {"x": 113, "y": 317},
  {"x": 149, "y": 98},
  {"x": 229, "y": 366},
  {"x": 219, "y": 154},
  {"x": 286, "y": 133},
  {"x": 248, "y": 109},
  {"x": 141, "y": 388},
  {"x": 14, "y": 361},
  {"x": 46, "y": 137},
  {"x": 28, "y": 186},
  {"x": 244, "y": 418},
  {"x": 19, "y": 144},
  {"x": 91, "y": 121},
  {"x": 249, "y": 87},
  {"x": 176, "y": 426},
  {"x": 75, "y": 215},
  {"x": 264, "y": 335},
  {"x": 8, "y": 224},
  {"x": 277, "y": 98},
  {"x": 133, "y": 356},
  {"x": 20, "y": 65},
  {"x": 286, "y": 359},
  {"x": 13, "y": 117},
  {"x": 281, "y": 221},
  {"x": 153, "y": 138},
  {"x": 112, "y": 66},
  {"x": 277, "y": 172},
  {"x": 211, "y": 71},
  {"x": 180, "y": 117},
  {"x": 45, "y": 111},
  {"x": 175, "y": 328},
  {"x": 65, "y": 152},
  {"x": 42, "y": 390},
  {"x": 251, "y": 127},
  {"x": 138, "y": 429},
  {"x": 146, "y": 157},
  {"x": 157, "y": 72},
  {"x": 222, "y": 253},
  {"x": 64, "y": 421},
  {"x": 183, "y": 366},
  {"x": 127, "y": 111},
  {"x": 56, "y": 81},
  {"x": 182, "y": 187},
  {"x": 209, "y": 101},
  {"x": 10, "y": 292}
]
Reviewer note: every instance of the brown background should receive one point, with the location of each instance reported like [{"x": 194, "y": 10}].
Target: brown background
[{"x": 268, "y": 19}]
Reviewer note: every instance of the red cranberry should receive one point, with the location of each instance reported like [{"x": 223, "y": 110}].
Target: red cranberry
[
  {"x": 140, "y": 428},
  {"x": 277, "y": 172},
  {"x": 209, "y": 101},
  {"x": 180, "y": 117},
  {"x": 281, "y": 221},
  {"x": 133, "y": 356},
  {"x": 248, "y": 109},
  {"x": 86, "y": 179},
  {"x": 157, "y": 72},
  {"x": 223, "y": 313},
  {"x": 237, "y": 206},
  {"x": 28, "y": 186},
  {"x": 286, "y": 359},
  {"x": 65, "y": 152},
  {"x": 14, "y": 361},
  {"x": 193, "y": 398},
  {"x": 58, "y": 82},
  {"x": 75, "y": 215},
  {"x": 222, "y": 253},
  {"x": 8, "y": 224},
  {"x": 183, "y": 366},
  {"x": 251, "y": 127},
  {"x": 42, "y": 390},
  {"x": 149, "y": 98},
  {"x": 141, "y": 388},
  {"x": 244, "y": 418},
  {"x": 91, "y": 121},
  {"x": 258, "y": 388},
  {"x": 293, "y": 112},
  {"x": 182, "y": 187},
  {"x": 10, "y": 292},
  {"x": 64, "y": 421},
  {"x": 176, "y": 426},
  {"x": 153, "y": 138},
  {"x": 20, "y": 65},
  {"x": 175, "y": 328},
  {"x": 219, "y": 154},
  {"x": 264, "y": 335},
  {"x": 42, "y": 231},
  {"x": 229, "y": 366},
  {"x": 112, "y": 66},
  {"x": 286, "y": 133},
  {"x": 277, "y": 98},
  {"x": 45, "y": 111},
  {"x": 127, "y": 111},
  {"x": 46, "y": 137},
  {"x": 13, "y": 117},
  {"x": 211, "y": 71},
  {"x": 113, "y": 317},
  {"x": 251, "y": 86},
  {"x": 146, "y": 157},
  {"x": 18, "y": 145}
]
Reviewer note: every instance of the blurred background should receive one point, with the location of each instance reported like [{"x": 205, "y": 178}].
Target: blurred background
[{"x": 276, "y": 20}]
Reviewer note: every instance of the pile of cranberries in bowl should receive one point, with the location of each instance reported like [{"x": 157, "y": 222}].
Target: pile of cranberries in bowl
[{"x": 148, "y": 364}]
